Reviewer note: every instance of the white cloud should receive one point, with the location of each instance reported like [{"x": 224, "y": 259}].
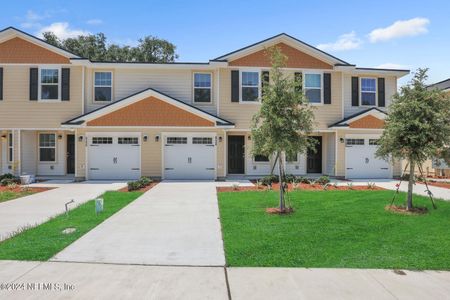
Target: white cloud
[
  {"x": 402, "y": 28},
  {"x": 31, "y": 19},
  {"x": 94, "y": 22},
  {"x": 62, "y": 30},
  {"x": 347, "y": 41},
  {"x": 392, "y": 66}
]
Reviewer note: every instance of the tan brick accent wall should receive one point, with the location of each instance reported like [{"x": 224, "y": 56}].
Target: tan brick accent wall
[
  {"x": 17, "y": 50},
  {"x": 296, "y": 59},
  {"x": 151, "y": 112},
  {"x": 367, "y": 122}
]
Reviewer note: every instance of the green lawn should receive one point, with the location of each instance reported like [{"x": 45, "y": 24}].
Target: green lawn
[
  {"x": 44, "y": 241},
  {"x": 9, "y": 195},
  {"x": 335, "y": 229}
]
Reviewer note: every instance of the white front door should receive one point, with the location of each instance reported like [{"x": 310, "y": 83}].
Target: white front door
[
  {"x": 189, "y": 156},
  {"x": 360, "y": 160},
  {"x": 114, "y": 156}
]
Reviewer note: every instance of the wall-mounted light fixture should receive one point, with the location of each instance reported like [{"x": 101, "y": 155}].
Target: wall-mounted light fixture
[
  {"x": 341, "y": 140},
  {"x": 156, "y": 138},
  {"x": 145, "y": 138},
  {"x": 249, "y": 138},
  {"x": 4, "y": 137},
  {"x": 59, "y": 136},
  {"x": 220, "y": 139},
  {"x": 80, "y": 138}
]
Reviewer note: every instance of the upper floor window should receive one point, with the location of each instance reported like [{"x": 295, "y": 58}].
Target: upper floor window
[
  {"x": 49, "y": 84},
  {"x": 313, "y": 87},
  {"x": 368, "y": 91},
  {"x": 249, "y": 86},
  {"x": 47, "y": 147},
  {"x": 202, "y": 87},
  {"x": 102, "y": 86}
]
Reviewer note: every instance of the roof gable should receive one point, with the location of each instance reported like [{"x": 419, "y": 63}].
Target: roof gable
[
  {"x": 20, "y": 47},
  {"x": 295, "y": 59},
  {"x": 288, "y": 40},
  {"x": 372, "y": 118},
  {"x": 151, "y": 111},
  {"x": 168, "y": 111},
  {"x": 369, "y": 122}
]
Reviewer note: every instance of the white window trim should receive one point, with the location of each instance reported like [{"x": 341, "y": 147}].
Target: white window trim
[
  {"x": 44, "y": 67},
  {"x": 304, "y": 73},
  {"x": 261, "y": 162},
  {"x": 360, "y": 91},
  {"x": 258, "y": 101},
  {"x": 210, "y": 88},
  {"x": 94, "y": 86},
  {"x": 10, "y": 148},
  {"x": 55, "y": 147}
]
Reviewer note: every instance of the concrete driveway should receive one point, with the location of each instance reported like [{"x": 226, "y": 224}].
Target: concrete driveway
[
  {"x": 175, "y": 223},
  {"x": 37, "y": 208}
]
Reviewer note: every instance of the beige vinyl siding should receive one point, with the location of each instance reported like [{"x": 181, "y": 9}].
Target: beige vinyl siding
[
  {"x": 175, "y": 83},
  {"x": 241, "y": 113},
  {"x": 331, "y": 154},
  {"x": 390, "y": 89},
  {"x": 17, "y": 111},
  {"x": 29, "y": 156},
  {"x": 151, "y": 151}
]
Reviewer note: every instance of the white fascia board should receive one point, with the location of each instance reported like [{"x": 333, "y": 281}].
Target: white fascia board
[
  {"x": 369, "y": 71},
  {"x": 113, "y": 65}
]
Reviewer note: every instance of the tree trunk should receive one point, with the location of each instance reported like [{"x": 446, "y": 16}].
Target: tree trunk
[
  {"x": 409, "y": 201},
  {"x": 280, "y": 168}
]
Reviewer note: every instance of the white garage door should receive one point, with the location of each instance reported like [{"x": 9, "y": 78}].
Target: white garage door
[
  {"x": 360, "y": 159},
  {"x": 114, "y": 156},
  {"x": 189, "y": 157}
]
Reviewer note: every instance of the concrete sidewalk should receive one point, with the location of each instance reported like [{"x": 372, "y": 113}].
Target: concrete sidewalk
[
  {"x": 390, "y": 184},
  {"x": 38, "y": 208},
  {"x": 109, "y": 281},
  {"x": 174, "y": 223}
]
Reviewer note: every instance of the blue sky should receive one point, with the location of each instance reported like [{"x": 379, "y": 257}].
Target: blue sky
[{"x": 402, "y": 34}]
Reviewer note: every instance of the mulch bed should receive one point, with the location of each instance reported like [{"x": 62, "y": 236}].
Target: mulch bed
[
  {"x": 19, "y": 189},
  {"x": 301, "y": 186},
  {"x": 144, "y": 189},
  {"x": 278, "y": 211},
  {"x": 403, "y": 210},
  {"x": 445, "y": 185}
]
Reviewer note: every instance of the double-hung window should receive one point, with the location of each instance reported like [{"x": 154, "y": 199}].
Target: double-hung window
[
  {"x": 10, "y": 148},
  {"x": 47, "y": 147},
  {"x": 102, "y": 86},
  {"x": 202, "y": 87},
  {"x": 368, "y": 91},
  {"x": 250, "y": 86},
  {"x": 49, "y": 84},
  {"x": 313, "y": 87}
]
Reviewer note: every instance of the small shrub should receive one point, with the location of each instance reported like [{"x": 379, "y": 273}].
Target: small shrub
[
  {"x": 323, "y": 180},
  {"x": 335, "y": 185},
  {"x": 350, "y": 186},
  {"x": 8, "y": 181},
  {"x": 258, "y": 184},
  {"x": 370, "y": 185},
  {"x": 235, "y": 186},
  {"x": 295, "y": 186},
  {"x": 138, "y": 184},
  {"x": 304, "y": 180},
  {"x": 7, "y": 176},
  {"x": 325, "y": 186},
  {"x": 145, "y": 181},
  {"x": 269, "y": 179},
  {"x": 290, "y": 178}
]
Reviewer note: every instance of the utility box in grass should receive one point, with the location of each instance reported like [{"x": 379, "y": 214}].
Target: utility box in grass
[{"x": 98, "y": 205}]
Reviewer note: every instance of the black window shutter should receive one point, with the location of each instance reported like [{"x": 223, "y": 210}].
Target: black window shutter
[
  {"x": 381, "y": 93},
  {"x": 298, "y": 77},
  {"x": 355, "y": 91},
  {"x": 265, "y": 78},
  {"x": 65, "y": 84},
  {"x": 234, "y": 86},
  {"x": 327, "y": 88},
  {"x": 1, "y": 83},
  {"x": 33, "y": 84}
]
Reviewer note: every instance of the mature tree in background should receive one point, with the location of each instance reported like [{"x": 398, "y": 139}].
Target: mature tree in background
[
  {"x": 285, "y": 118},
  {"x": 96, "y": 48},
  {"x": 417, "y": 126}
]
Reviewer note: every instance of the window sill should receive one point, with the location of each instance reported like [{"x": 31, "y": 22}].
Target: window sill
[{"x": 249, "y": 102}]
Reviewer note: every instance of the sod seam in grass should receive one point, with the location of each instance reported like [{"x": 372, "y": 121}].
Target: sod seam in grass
[
  {"x": 334, "y": 229},
  {"x": 44, "y": 241}
]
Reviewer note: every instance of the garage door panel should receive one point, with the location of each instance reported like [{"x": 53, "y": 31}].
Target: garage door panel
[
  {"x": 189, "y": 157},
  {"x": 361, "y": 161}
]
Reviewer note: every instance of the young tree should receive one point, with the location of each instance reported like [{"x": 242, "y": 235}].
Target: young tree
[
  {"x": 285, "y": 118},
  {"x": 95, "y": 47},
  {"x": 417, "y": 127}
]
